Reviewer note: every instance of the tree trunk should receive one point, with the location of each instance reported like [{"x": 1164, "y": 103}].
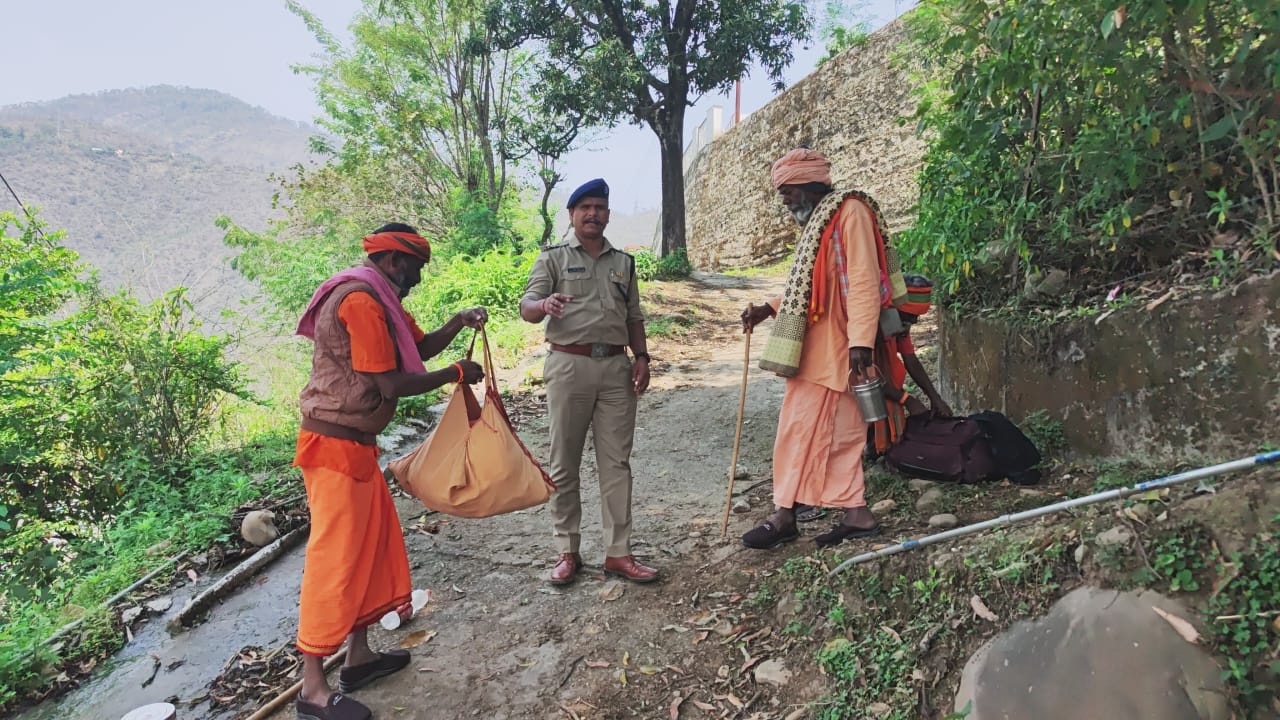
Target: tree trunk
[
  {"x": 670, "y": 132},
  {"x": 548, "y": 227}
]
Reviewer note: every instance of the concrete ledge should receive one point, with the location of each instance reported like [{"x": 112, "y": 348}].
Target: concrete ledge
[{"x": 1197, "y": 377}]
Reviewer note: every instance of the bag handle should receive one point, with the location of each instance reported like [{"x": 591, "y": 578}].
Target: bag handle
[{"x": 490, "y": 378}]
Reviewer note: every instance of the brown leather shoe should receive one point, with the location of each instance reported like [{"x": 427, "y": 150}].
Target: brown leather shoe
[
  {"x": 566, "y": 569},
  {"x": 628, "y": 569}
]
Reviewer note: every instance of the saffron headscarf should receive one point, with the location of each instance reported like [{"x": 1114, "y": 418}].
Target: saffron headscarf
[
  {"x": 801, "y": 166},
  {"x": 404, "y": 242}
]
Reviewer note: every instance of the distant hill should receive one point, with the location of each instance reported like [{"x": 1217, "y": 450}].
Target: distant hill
[{"x": 136, "y": 177}]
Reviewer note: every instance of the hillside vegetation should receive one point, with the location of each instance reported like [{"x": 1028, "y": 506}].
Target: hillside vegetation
[{"x": 136, "y": 178}]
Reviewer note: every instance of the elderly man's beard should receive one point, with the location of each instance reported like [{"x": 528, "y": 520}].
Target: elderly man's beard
[{"x": 801, "y": 210}]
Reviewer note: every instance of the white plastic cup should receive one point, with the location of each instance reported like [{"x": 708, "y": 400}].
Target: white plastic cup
[
  {"x": 419, "y": 599},
  {"x": 391, "y": 620}
]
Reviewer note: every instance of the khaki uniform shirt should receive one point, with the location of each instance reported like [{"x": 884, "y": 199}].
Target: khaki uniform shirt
[{"x": 605, "y": 292}]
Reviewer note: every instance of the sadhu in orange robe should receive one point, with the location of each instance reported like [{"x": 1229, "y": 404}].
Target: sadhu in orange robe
[
  {"x": 356, "y": 568},
  {"x": 817, "y": 455}
]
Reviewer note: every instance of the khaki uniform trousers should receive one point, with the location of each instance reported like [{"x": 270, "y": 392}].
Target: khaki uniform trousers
[{"x": 596, "y": 392}]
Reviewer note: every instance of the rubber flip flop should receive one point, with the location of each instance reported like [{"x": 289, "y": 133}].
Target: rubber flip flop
[
  {"x": 809, "y": 513},
  {"x": 840, "y": 533}
]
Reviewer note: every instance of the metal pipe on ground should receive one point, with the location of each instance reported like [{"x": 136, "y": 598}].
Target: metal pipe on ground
[{"x": 1117, "y": 494}]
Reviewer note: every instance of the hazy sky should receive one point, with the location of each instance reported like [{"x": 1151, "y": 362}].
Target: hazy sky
[{"x": 245, "y": 48}]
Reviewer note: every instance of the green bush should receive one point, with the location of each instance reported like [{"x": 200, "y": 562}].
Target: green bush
[
  {"x": 646, "y": 264},
  {"x": 1109, "y": 140},
  {"x": 672, "y": 266},
  {"x": 119, "y": 388}
]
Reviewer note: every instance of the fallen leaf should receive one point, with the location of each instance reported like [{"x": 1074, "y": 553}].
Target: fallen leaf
[
  {"x": 622, "y": 676},
  {"x": 891, "y": 633},
  {"x": 262, "y": 579},
  {"x": 981, "y": 610},
  {"x": 459, "y": 590},
  {"x": 1184, "y": 628},
  {"x": 677, "y": 628},
  {"x": 674, "y": 711},
  {"x": 192, "y": 574},
  {"x": 612, "y": 592},
  {"x": 598, "y": 663},
  {"x": 734, "y": 701},
  {"x": 626, "y": 658},
  {"x": 701, "y": 636},
  {"x": 747, "y": 665},
  {"x": 128, "y": 634},
  {"x": 706, "y": 707},
  {"x": 414, "y": 639},
  {"x": 676, "y": 670},
  {"x": 650, "y": 669}
]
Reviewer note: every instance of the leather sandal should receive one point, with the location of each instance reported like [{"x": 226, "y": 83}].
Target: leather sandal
[
  {"x": 351, "y": 679},
  {"x": 766, "y": 536},
  {"x": 338, "y": 707},
  {"x": 842, "y": 532}
]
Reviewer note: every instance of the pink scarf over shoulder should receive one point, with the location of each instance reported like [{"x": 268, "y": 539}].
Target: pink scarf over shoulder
[{"x": 410, "y": 360}]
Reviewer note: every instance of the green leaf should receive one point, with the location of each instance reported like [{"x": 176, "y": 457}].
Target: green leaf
[
  {"x": 1108, "y": 24},
  {"x": 1218, "y": 130}
]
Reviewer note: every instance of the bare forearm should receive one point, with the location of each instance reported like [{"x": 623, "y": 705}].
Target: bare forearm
[
  {"x": 916, "y": 369},
  {"x": 399, "y": 385},
  {"x": 532, "y": 311},
  {"x": 637, "y": 339},
  {"x": 434, "y": 343}
]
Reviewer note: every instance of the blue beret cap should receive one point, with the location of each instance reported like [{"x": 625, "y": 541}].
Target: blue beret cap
[{"x": 591, "y": 188}]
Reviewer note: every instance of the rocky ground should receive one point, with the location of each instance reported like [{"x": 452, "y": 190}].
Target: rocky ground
[{"x": 729, "y": 632}]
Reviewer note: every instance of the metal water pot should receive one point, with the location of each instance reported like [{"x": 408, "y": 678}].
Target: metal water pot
[{"x": 868, "y": 392}]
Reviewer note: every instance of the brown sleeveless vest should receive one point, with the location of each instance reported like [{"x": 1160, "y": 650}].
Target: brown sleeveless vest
[{"x": 336, "y": 394}]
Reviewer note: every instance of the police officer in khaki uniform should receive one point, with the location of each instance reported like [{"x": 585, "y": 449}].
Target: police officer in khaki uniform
[{"x": 588, "y": 290}]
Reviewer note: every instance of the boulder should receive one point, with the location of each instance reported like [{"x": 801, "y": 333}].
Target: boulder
[{"x": 1097, "y": 654}]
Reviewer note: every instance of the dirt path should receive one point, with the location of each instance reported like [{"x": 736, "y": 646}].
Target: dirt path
[{"x": 502, "y": 643}]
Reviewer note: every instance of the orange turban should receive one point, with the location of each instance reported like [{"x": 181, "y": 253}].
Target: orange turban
[
  {"x": 404, "y": 242},
  {"x": 799, "y": 167}
]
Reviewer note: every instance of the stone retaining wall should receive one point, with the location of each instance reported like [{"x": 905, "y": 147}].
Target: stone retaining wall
[{"x": 849, "y": 110}]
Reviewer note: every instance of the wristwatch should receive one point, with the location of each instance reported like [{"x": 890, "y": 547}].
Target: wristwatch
[{"x": 644, "y": 355}]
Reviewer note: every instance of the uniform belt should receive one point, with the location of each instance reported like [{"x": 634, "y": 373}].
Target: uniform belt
[
  {"x": 595, "y": 350},
  {"x": 342, "y": 432}
]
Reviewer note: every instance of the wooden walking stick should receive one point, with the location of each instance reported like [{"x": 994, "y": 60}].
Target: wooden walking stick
[{"x": 737, "y": 434}]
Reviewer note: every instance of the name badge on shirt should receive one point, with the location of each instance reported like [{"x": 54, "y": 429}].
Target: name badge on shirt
[{"x": 576, "y": 270}]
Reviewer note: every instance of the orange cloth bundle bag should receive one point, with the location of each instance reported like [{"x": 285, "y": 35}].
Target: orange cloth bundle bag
[{"x": 473, "y": 464}]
